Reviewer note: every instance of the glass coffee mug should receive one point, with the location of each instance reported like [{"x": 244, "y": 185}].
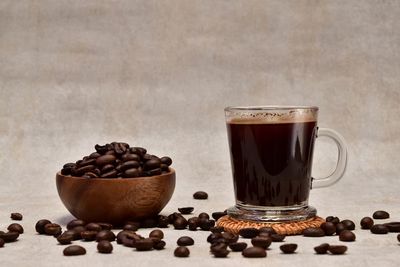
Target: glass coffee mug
[{"x": 271, "y": 154}]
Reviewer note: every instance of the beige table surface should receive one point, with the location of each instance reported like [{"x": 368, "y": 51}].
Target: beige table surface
[{"x": 159, "y": 73}]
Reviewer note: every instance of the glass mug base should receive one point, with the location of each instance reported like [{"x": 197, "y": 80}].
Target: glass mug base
[{"x": 271, "y": 214}]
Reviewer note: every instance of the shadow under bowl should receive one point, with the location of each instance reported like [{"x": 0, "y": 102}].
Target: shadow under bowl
[{"x": 115, "y": 200}]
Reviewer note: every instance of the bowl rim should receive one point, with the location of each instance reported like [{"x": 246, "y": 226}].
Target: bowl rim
[{"x": 118, "y": 179}]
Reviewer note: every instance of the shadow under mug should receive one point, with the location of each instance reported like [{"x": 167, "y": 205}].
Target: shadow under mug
[{"x": 271, "y": 151}]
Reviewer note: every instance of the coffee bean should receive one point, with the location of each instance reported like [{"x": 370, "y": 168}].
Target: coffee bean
[
  {"x": 131, "y": 226},
  {"x": 218, "y": 214},
  {"x": 144, "y": 244},
  {"x": 110, "y": 174},
  {"x": 393, "y": 227},
  {"x": 89, "y": 235},
  {"x": 74, "y": 250},
  {"x": 180, "y": 223},
  {"x": 329, "y": 228},
  {"x": 380, "y": 214},
  {"x": 172, "y": 217},
  {"x": 277, "y": 237},
  {"x": 75, "y": 235},
  {"x": 106, "y": 168},
  {"x": 313, "y": 232},
  {"x": 105, "y": 159},
  {"x": 77, "y": 231},
  {"x": 15, "y": 227},
  {"x": 159, "y": 245},
  {"x": 337, "y": 250},
  {"x": 217, "y": 245},
  {"x": 149, "y": 223},
  {"x": 248, "y": 232},
  {"x": 254, "y": 252},
  {"x": 157, "y": 233},
  {"x": 152, "y": 164},
  {"x": 1, "y": 243},
  {"x": 288, "y": 248},
  {"x": 200, "y": 195},
  {"x": 101, "y": 149},
  {"x": 181, "y": 252},
  {"x": 268, "y": 230},
  {"x": 130, "y": 157},
  {"x": 104, "y": 247},
  {"x": 220, "y": 253},
  {"x": 213, "y": 237},
  {"x": 94, "y": 155},
  {"x": 131, "y": 173},
  {"x": 339, "y": 228},
  {"x": 87, "y": 162},
  {"x": 147, "y": 157},
  {"x": 347, "y": 236},
  {"x": 349, "y": 224},
  {"x": 93, "y": 227},
  {"x": 162, "y": 221},
  {"x": 238, "y": 246},
  {"x": 16, "y": 216},
  {"x": 186, "y": 210},
  {"x": 74, "y": 223},
  {"x": 398, "y": 237},
  {"x": 230, "y": 237},
  {"x": 193, "y": 223},
  {"x": 52, "y": 229},
  {"x": 105, "y": 226},
  {"x": 206, "y": 224},
  {"x": 203, "y": 215},
  {"x": 217, "y": 229},
  {"x": 105, "y": 235},
  {"x": 65, "y": 238},
  {"x": 9, "y": 236},
  {"x": 166, "y": 160},
  {"x": 322, "y": 249},
  {"x": 91, "y": 175},
  {"x": 122, "y": 234},
  {"x": 185, "y": 241},
  {"x": 332, "y": 219},
  {"x": 263, "y": 242},
  {"x": 129, "y": 165},
  {"x": 379, "y": 229},
  {"x": 82, "y": 170}
]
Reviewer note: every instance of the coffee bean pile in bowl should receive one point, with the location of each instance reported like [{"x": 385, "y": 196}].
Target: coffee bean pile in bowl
[{"x": 118, "y": 160}]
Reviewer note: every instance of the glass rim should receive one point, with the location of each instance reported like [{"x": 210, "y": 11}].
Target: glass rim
[{"x": 269, "y": 108}]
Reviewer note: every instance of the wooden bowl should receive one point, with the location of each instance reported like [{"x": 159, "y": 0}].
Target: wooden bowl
[{"x": 115, "y": 200}]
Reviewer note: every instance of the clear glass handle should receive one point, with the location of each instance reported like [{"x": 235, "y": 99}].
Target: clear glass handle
[{"x": 342, "y": 159}]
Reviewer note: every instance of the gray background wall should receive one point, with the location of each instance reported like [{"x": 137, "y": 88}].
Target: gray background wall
[{"x": 159, "y": 73}]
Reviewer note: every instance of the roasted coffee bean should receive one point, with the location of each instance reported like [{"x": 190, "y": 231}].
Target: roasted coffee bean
[
  {"x": 180, "y": 223},
  {"x": 9, "y": 236},
  {"x": 337, "y": 250},
  {"x": 203, "y": 215},
  {"x": 131, "y": 173},
  {"x": 77, "y": 232},
  {"x": 254, "y": 252},
  {"x": 157, "y": 233},
  {"x": 52, "y": 229},
  {"x": 268, "y": 230},
  {"x": 144, "y": 244},
  {"x": 75, "y": 235},
  {"x": 129, "y": 165},
  {"x": 166, "y": 160},
  {"x": 164, "y": 168},
  {"x": 89, "y": 235},
  {"x": 122, "y": 234},
  {"x": 347, "y": 236},
  {"x": 263, "y": 242},
  {"x": 105, "y": 159},
  {"x": 106, "y": 168},
  {"x": 248, "y": 232},
  {"x": 74, "y": 223},
  {"x": 130, "y": 157},
  {"x": 329, "y": 228},
  {"x": 277, "y": 237},
  {"x": 101, "y": 149},
  {"x": 105, "y": 247},
  {"x": 200, "y": 195},
  {"x": 393, "y": 227},
  {"x": 172, "y": 217},
  {"x": 86, "y": 162},
  {"x": 322, "y": 249},
  {"x": 15, "y": 227},
  {"x": 288, "y": 248},
  {"x": 181, "y": 252},
  {"x": 159, "y": 245},
  {"x": 213, "y": 236},
  {"x": 16, "y": 216},
  {"x": 230, "y": 237},
  {"x": 238, "y": 246},
  {"x": 82, "y": 170},
  {"x": 1, "y": 243},
  {"x": 220, "y": 253},
  {"x": 349, "y": 225},
  {"x": 154, "y": 172},
  {"x": 105, "y": 226},
  {"x": 93, "y": 227},
  {"x": 94, "y": 155},
  {"x": 149, "y": 223},
  {"x": 105, "y": 235},
  {"x": 218, "y": 214},
  {"x": 193, "y": 223},
  {"x": 186, "y": 210},
  {"x": 339, "y": 228},
  {"x": 91, "y": 175},
  {"x": 65, "y": 238},
  {"x": 217, "y": 229},
  {"x": 131, "y": 226},
  {"x": 147, "y": 157},
  {"x": 332, "y": 219},
  {"x": 138, "y": 150},
  {"x": 152, "y": 164},
  {"x": 218, "y": 246},
  {"x": 162, "y": 221},
  {"x": 313, "y": 232},
  {"x": 379, "y": 229},
  {"x": 380, "y": 214},
  {"x": 206, "y": 224},
  {"x": 185, "y": 241},
  {"x": 74, "y": 250},
  {"x": 110, "y": 174}
]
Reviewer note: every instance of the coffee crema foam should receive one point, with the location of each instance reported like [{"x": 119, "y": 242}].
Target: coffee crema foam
[{"x": 264, "y": 117}]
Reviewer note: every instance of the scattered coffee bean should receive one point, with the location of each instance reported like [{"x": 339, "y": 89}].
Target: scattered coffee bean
[
  {"x": 75, "y": 235},
  {"x": 40, "y": 226},
  {"x": 313, "y": 232},
  {"x": 93, "y": 227},
  {"x": 218, "y": 246},
  {"x": 322, "y": 249},
  {"x": 288, "y": 248},
  {"x": 339, "y": 228},
  {"x": 186, "y": 210},
  {"x": 122, "y": 234},
  {"x": 393, "y": 227},
  {"x": 157, "y": 233},
  {"x": 149, "y": 223},
  {"x": 105, "y": 247},
  {"x": 9, "y": 236},
  {"x": 52, "y": 229},
  {"x": 15, "y": 227},
  {"x": 206, "y": 224},
  {"x": 230, "y": 237},
  {"x": 1, "y": 243},
  {"x": 181, "y": 252},
  {"x": 277, "y": 237},
  {"x": 185, "y": 241},
  {"x": 172, "y": 217},
  {"x": 74, "y": 250},
  {"x": 74, "y": 223},
  {"x": 144, "y": 244},
  {"x": 379, "y": 229},
  {"x": 380, "y": 214},
  {"x": 347, "y": 236},
  {"x": 193, "y": 223},
  {"x": 77, "y": 232},
  {"x": 332, "y": 219},
  {"x": 254, "y": 252},
  {"x": 162, "y": 221},
  {"x": 16, "y": 216},
  {"x": 218, "y": 214},
  {"x": 203, "y": 216},
  {"x": 349, "y": 225},
  {"x": 89, "y": 235},
  {"x": 262, "y": 242},
  {"x": 213, "y": 237},
  {"x": 105, "y": 235},
  {"x": 217, "y": 229},
  {"x": 337, "y": 249},
  {"x": 180, "y": 223},
  {"x": 238, "y": 246},
  {"x": 200, "y": 195},
  {"x": 248, "y": 232},
  {"x": 131, "y": 226},
  {"x": 159, "y": 245},
  {"x": 65, "y": 238},
  {"x": 329, "y": 228},
  {"x": 220, "y": 253},
  {"x": 366, "y": 223},
  {"x": 268, "y": 230}
]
